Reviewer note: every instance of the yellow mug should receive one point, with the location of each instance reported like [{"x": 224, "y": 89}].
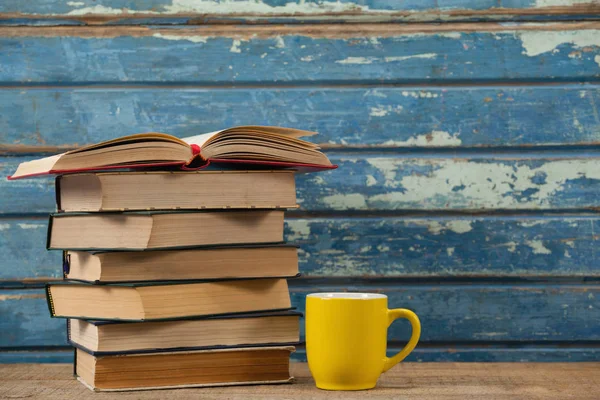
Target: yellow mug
[{"x": 346, "y": 338}]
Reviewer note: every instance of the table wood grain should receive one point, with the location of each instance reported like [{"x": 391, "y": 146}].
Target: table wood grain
[{"x": 405, "y": 381}]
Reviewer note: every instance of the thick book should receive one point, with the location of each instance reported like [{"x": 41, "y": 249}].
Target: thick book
[
  {"x": 204, "y": 368},
  {"x": 162, "y": 301},
  {"x": 163, "y": 230},
  {"x": 267, "y": 146},
  {"x": 239, "y": 330},
  {"x": 208, "y": 263},
  {"x": 121, "y": 191}
]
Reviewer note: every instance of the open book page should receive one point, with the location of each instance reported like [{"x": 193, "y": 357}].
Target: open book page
[{"x": 249, "y": 131}]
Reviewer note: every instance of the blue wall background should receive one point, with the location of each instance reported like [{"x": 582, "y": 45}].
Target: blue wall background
[{"x": 467, "y": 138}]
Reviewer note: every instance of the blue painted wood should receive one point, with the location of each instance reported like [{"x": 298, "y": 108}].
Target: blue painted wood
[
  {"x": 25, "y": 320},
  {"x": 470, "y": 312},
  {"x": 475, "y": 353},
  {"x": 249, "y": 11},
  {"x": 105, "y": 7},
  {"x": 524, "y": 353},
  {"x": 387, "y": 182},
  {"x": 355, "y": 117},
  {"x": 41, "y": 356},
  {"x": 383, "y": 247},
  {"x": 295, "y": 54},
  {"x": 445, "y": 247},
  {"x": 23, "y": 249}
]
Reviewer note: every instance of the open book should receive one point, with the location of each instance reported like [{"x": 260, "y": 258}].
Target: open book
[{"x": 251, "y": 145}]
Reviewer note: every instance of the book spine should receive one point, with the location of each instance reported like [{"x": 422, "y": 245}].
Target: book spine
[
  {"x": 49, "y": 301},
  {"x": 57, "y": 192},
  {"x": 49, "y": 233},
  {"x": 66, "y": 263}
]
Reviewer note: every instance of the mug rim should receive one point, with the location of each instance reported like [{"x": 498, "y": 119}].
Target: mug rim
[{"x": 347, "y": 296}]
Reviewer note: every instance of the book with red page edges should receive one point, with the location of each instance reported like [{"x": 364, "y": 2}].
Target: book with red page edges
[{"x": 237, "y": 147}]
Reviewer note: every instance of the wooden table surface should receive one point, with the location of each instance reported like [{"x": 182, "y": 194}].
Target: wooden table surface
[{"x": 405, "y": 381}]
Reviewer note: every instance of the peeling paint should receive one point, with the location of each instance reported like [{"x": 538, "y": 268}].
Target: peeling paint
[
  {"x": 353, "y": 200},
  {"x": 307, "y": 58},
  {"x": 75, "y": 3},
  {"x": 559, "y": 3},
  {"x": 489, "y": 334},
  {"x": 370, "y": 60},
  {"x": 279, "y": 43},
  {"x": 260, "y": 7},
  {"x": 597, "y": 60},
  {"x": 102, "y": 10},
  {"x": 300, "y": 229},
  {"x": 538, "y": 247},
  {"x": 371, "y": 180},
  {"x": 356, "y": 60},
  {"x": 457, "y": 226},
  {"x": 433, "y": 139},
  {"x": 193, "y": 39},
  {"x": 4, "y": 297},
  {"x": 402, "y": 58},
  {"x": 477, "y": 184},
  {"x": 450, "y": 251},
  {"x": 539, "y": 42},
  {"x": 4, "y": 227},
  {"x": 235, "y": 46},
  {"x": 32, "y": 226},
  {"x": 511, "y": 247},
  {"x": 382, "y": 111},
  {"x": 529, "y": 224},
  {"x": 230, "y": 7},
  {"x": 420, "y": 94}
]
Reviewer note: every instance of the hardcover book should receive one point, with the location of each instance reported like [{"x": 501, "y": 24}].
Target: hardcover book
[
  {"x": 163, "y": 230},
  {"x": 122, "y": 191},
  {"x": 207, "y": 263},
  {"x": 237, "y": 330},
  {"x": 223, "y": 367},
  {"x": 166, "y": 300},
  {"x": 266, "y": 146}
]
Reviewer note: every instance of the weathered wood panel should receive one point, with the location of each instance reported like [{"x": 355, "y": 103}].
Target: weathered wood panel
[
  {"x": 25, "y": 320},
  {"x": 461, "y": 353},
  {"x": 470, "y": 312},
  {"x": 442, "y": 247},
  {"x": 389, "y": 247},
  {"x": 24, "y": 254},
  {"x": 248, "y": 11},
  {"x": 472, "y": 182},
  {"x": 300, "y": 54},
  {"x": 386, "y": 182},
  {"x": 348, "y": 117}
]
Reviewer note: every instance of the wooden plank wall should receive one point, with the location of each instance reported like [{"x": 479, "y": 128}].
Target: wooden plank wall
[{"x": 468, "y": 139}]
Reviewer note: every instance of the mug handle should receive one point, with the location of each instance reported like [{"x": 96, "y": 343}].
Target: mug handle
[{"x": 393, "y": 315}]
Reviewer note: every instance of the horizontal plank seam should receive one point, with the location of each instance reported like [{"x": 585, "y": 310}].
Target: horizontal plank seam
[
  {"x": 288, "y": 19},
  {"x": 331, "y": 31},
  {"x": 591, "y": 82},
  {"x": 394, "y": 283}
]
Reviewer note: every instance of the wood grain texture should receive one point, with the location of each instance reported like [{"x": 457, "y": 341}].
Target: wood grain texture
[
  {"x": 387, "y": 182},
  {"x": 555, "y": 246},
  {"x": 252, "y": 11},
  {"x": 406, "y": 381},
  {"x": 449, "y": 313},
  {"x": 299, "y": 54},
  {"x": 382, "y": 117},
  {"x": 524, "y": 352}
]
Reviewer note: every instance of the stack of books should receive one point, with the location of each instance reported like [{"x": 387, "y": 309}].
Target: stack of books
[{"x": 173, "y": 279}]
